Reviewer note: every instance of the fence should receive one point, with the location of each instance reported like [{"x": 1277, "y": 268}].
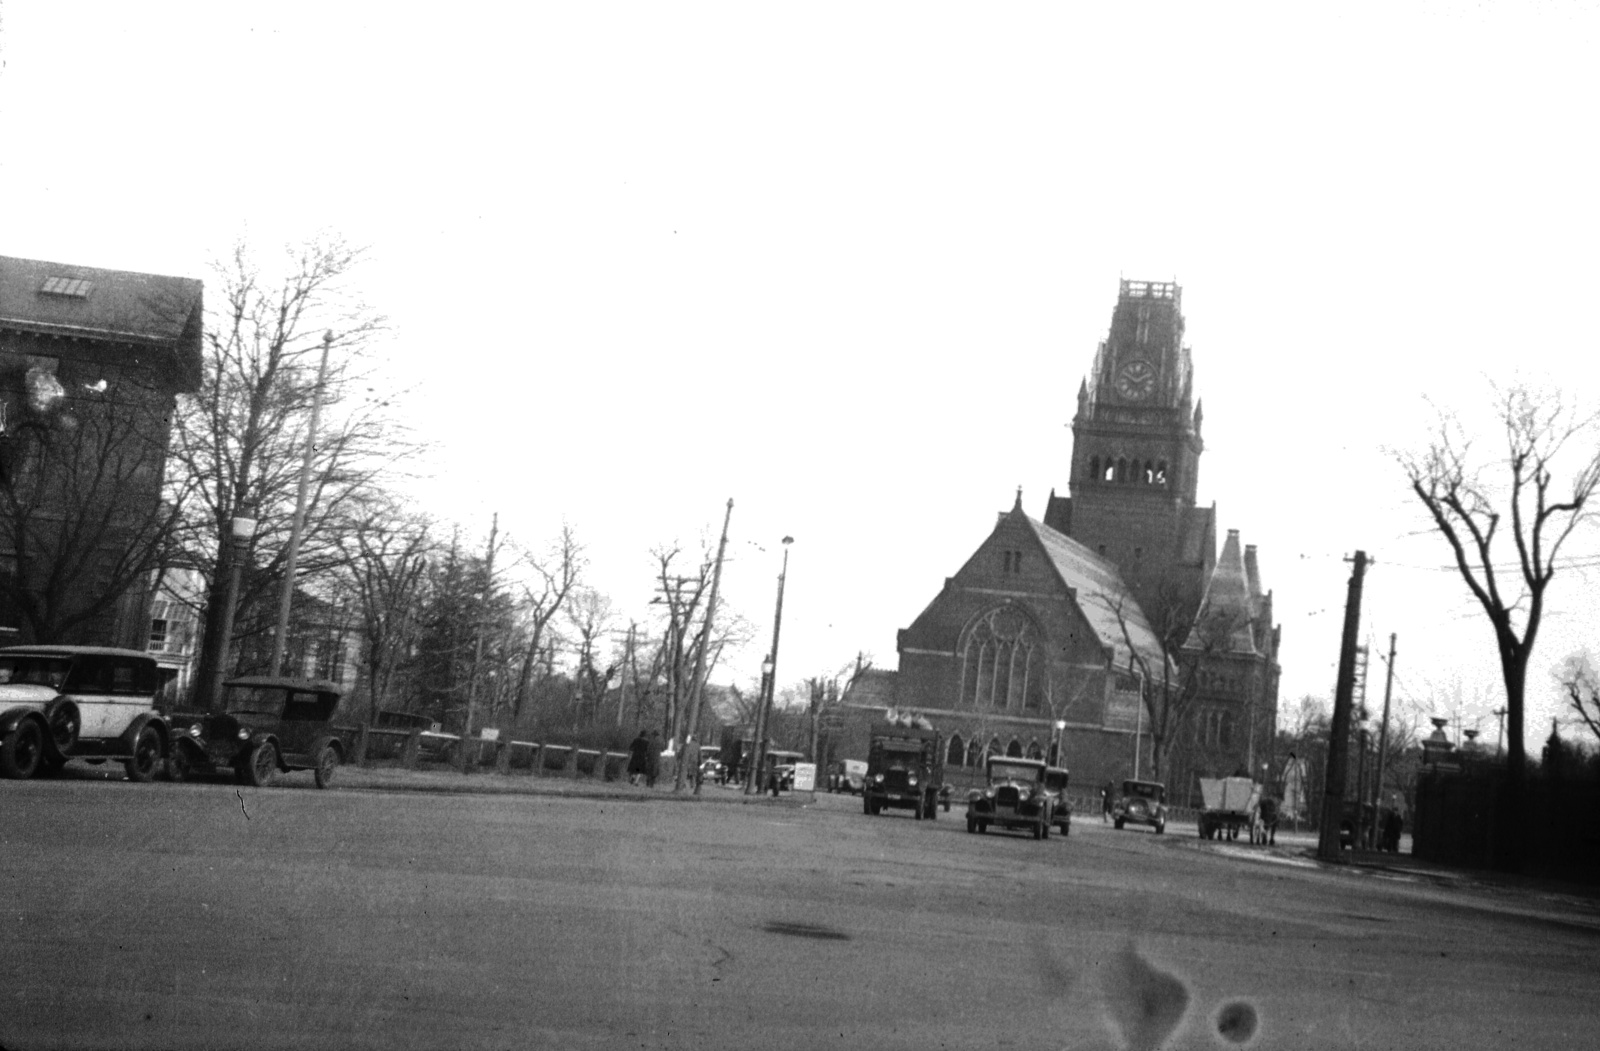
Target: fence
[
  {"x": 412, "y": 749},
  {"x": 1462, "y": 818}
]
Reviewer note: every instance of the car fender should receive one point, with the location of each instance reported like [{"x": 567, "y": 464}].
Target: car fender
[
  {"x": 11, "y": 718},
  {"x": 135, "y": 728}
]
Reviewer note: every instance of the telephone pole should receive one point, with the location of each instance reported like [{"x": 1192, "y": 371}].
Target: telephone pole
[
  {"x": 697, "y": 688},
  {"x": 1339, "y": 735},
  {"x": 1383, "y": 731}
]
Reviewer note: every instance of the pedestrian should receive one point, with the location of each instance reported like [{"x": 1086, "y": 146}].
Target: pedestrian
[
  {"x": 1105, "y": 802},
  {"x": 638, "y": 758},
  {"x": 653, "y": 759},
  {"x": 1392, "y": 824}
]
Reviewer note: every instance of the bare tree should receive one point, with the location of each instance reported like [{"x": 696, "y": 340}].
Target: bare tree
[
  {"x": 387, "y": 552},
  {"x": 589, "y": 613},
  {"x": 1469, "y": 501},
  {"x": 554, "y": 574},
  {"x": 238, "y": 442},
  {"x": 1578, "y": 680},
  {"x": 80, "y": 500},
  {"x": 1186, "y": 634}
]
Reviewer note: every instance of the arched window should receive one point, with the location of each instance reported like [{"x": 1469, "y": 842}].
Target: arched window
[
  {"x": 1110, "y": 472},
  {"x": 995, "y": 747},
  {"x": 1149, "y": 473},
  {"x": 956, "y": 752},
  {"x": 1161, "y": 472},
  {"x": 1001, "y": 660},
  {"x": 1122, "y": 469},
  {"x": 1014, "y": 749},
  {"x": 974, "y": 753},
  {"x": 1225, "y": 730},
  {"x": 1034, "y": 751}
]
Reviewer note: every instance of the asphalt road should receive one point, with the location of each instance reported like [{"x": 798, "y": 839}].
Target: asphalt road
[{"x": 207, "y": 916}]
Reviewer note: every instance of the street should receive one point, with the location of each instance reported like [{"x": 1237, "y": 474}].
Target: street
[{"x": 211, "y": 916}]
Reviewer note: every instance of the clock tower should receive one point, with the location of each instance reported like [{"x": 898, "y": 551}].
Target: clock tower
[{"x": 1136, "y": 450}]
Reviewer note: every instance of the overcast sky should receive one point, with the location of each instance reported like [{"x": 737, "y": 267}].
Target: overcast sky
[{"x": 848, "y": 263}]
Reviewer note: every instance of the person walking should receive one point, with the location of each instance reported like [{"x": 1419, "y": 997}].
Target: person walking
[
  {"x": 638, "y": 758},
  {"x": 691, "y": 755},
  {"x": 653, "y": 759},
  {"x": 1105, "y": 802}
]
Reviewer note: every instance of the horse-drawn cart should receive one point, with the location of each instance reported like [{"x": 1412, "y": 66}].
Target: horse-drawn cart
[{"x": 1230, "y": 804}]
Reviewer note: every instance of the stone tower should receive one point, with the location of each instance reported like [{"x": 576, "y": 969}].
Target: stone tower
[{"x": 1136, "y": 448}]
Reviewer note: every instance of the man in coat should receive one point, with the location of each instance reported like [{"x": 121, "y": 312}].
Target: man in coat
[{"x": 638, "y": 758}]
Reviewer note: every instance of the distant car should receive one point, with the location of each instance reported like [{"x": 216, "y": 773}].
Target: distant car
[
  {"x": 1015, "y": 797},
  {"x": 783, "y": 763},
  {"x": 1055, "y": 782},
  {"x": 712, "y": 770},
  {"x": 848, "y": 775},
  {"x": 1141, "y": 803},
  {"x": 79, "y": 702},
  {"x": 266, "y": 725}
]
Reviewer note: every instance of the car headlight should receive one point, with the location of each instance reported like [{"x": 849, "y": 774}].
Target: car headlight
[
  {"x": 988, "y": 793},
  {"x": 912, "y": 780},
  {"x": 244, "y": 735},
  {"x": 194, "y": 731},
  {"x": 877, "y": 779}
]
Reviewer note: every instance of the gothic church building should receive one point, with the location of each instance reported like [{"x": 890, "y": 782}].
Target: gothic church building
[{"x": 1045, "y": 640}]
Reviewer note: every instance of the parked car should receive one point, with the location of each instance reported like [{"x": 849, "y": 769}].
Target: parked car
[
  {"x": 1141, "y": 803},
  {"x": 783, "y": 763},
  {"x": 79, "y": 702},
  {"x": 266, "y": 725},
  {"x": 1015, "y": 797},
  {"x": 712, "y": 770},
  {"x": 1055, "y": 782},
  {"x": 847, "y": 775}
]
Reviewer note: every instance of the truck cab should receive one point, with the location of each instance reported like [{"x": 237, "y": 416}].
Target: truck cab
[{"x": 904, "y": 771}]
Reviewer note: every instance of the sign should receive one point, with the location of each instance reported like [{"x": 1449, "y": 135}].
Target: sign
[
  {"x": 489, "y": 733},
  {"x": 805, "y": 777}
]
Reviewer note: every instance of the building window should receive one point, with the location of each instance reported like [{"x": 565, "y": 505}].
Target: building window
[
  {"x": 1011, "y": 562},
  {"x": 158, "y": 635},
  {"x": 1000, "y": 666},
  {"x": 957, "y": 752}
]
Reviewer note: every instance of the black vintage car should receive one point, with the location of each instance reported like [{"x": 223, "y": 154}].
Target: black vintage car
[
  {"x": 1016, "y": 797},
  {"x": 266, "y": 725}
]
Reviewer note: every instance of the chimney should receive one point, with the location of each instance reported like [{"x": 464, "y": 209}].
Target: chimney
[{"x": 1251, "y": 572}]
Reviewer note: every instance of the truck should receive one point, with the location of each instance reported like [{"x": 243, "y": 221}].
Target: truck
[
  {"x": 905, "y": 768},
  {"x": 1229, "y": 804}
]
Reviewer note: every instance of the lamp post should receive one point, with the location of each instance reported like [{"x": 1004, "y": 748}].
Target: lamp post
[
  {"x": 1055, "y": 746},
  {"x": 240, "y": 528},
  {"x": 769, "y": 669}
]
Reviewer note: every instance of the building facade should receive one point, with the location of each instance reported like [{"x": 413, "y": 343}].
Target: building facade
[
  {"x": 91, "y": 362},
  {"x": 1046, "y": 640}
]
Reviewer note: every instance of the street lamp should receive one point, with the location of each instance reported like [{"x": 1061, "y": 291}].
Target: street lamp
[
  {"x": 1055, "y": 746},
  {"x": 769, "y": 669},
  {"x": 241, "y": 529}
]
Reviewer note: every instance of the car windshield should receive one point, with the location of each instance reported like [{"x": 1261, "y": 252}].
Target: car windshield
[
  {"x": 37, "y": 671},
  {"x": 1055, "y": 779},
  {"x": 1136, "y": 788},
  {"x": 1013, "y": 772},
  {"x": 259, "y": 700}
]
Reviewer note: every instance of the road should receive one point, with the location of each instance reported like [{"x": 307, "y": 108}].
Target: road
[{"x": 209, "y": 916}]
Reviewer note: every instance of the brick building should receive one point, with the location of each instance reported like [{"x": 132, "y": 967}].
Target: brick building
[
  {"x": 1045, "y": 637},
  {"x": 91, "y": 362}
]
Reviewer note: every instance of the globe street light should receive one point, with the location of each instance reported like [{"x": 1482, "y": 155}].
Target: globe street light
[
  {"x": 241, "y": 529},
  {"x": 1055, "y": 746}
]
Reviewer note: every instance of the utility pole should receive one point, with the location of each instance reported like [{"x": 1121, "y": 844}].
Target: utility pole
[
  {"x": 758, "y": 747},
  {"x": 1383, "y": 731},
  {"x": 1339, "y": 735},
  {"x": 1500, "y": 717},
  {"x": 697, "y": 687},
  {"x": 286, "y": 596},
  {"x": 477, "y": 651},
  {"x": 627, "y": 672}
]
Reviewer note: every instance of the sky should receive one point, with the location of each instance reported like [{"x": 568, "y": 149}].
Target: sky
[{"x": 846, "y": 264}]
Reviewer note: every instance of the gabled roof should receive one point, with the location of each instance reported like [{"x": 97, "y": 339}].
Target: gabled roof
[
  {"x": 871, "y": 688},
  {"x": 1099, "y": 591},
  {"x": 87, "y": 302}
]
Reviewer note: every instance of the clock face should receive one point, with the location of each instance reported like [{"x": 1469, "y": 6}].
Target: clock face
[{"x": 1136, "y": 380}]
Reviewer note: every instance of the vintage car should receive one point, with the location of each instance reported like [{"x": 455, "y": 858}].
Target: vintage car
[
  {"x": 1015, "y": 797},
  {"x": 79, "y": 702},
  {"x": 266, "y": 725},
  {"x": 782, "y": 763},
  {"x": 847, "y": 775},
  {"x": 712, "y": 770},
  {"x": 1055, "y": 782},
  {"x": 1141, "y": 803}
]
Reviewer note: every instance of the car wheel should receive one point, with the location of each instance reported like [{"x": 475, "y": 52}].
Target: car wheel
[
  {"x": 141, "y": 766},
  {"x": 972, "y": 825},
  {"x": 261, "y": 764},
  {"x": 1117, "y": 824},
  {"x": 179, "y": 765},
  {"x": 327, "y": 763},
  {"x": 866, "y": 805},
  {"x": 21, "y": 750},
  {"x": 1044, "y": 831},
  {"x": 916, "y": 811},
  {"x": 1161, "y": 826},
  {"x": 64, "y": 723},
  {"x": 983, "y": 827}
]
